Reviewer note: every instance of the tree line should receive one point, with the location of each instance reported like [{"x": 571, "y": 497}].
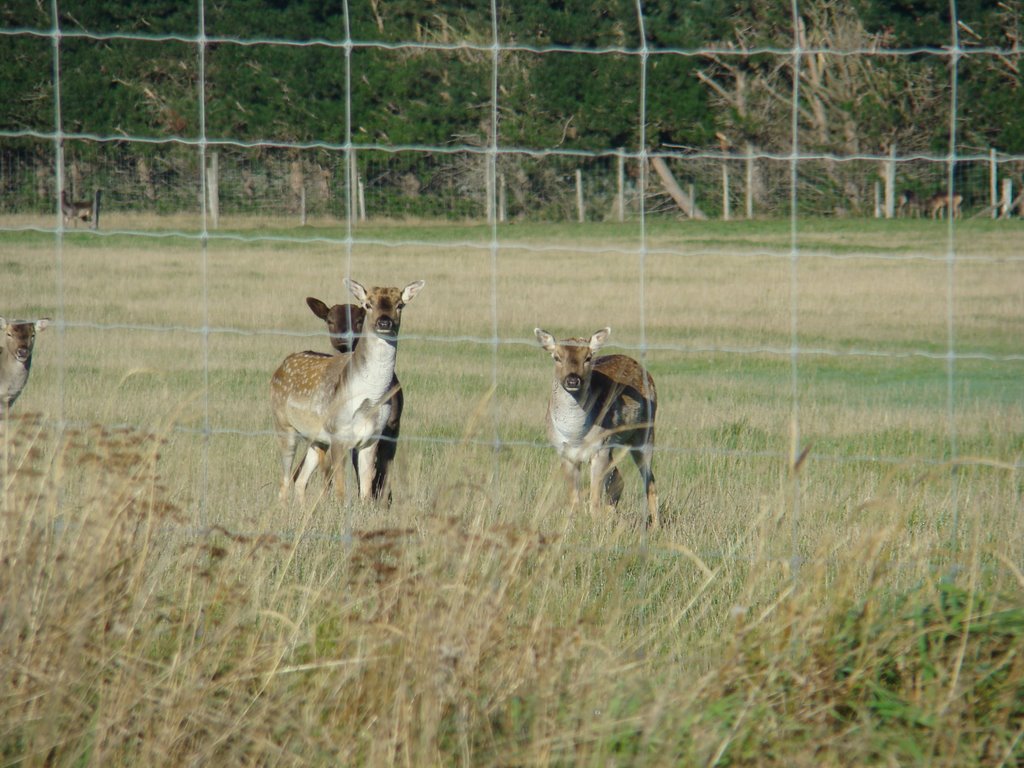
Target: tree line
[{"x": 572, "y": 76}]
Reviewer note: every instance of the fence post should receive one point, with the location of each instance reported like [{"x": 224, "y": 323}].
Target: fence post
[
  {"x": 1006, "y": 204},
  {"x": 878, "y": 201},
  {"x": 489, "y": 191},
  {"x": 302, "y": 206},
  {"x": 581, "y": 214},
  {"x": 750, "y": 180},
  {"x": 502, "y": 200},
  {"x": 621, "y": 189},
  {"x": 353, "y": 186},
  {"x": 361, "y": 200},
  {"x": 726, "y": 212},
  {"x": 993, "y": 182},
  {"x": 890, "y": 183},
  {"x": 96, "y": 209},
  {"x": 213, "y": 189}
]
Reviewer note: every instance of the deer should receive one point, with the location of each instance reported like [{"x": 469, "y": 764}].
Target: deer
[
  {"x": 74, "y": 212},
  {"x": 341, "y": 403},
  {"x": 940, "y": 203},
  {"x": 16, "y": 358},
  {"x": 344, "y": 325},
  {"x": 598, "y": 406},
  {"x": 908, "y": 204}
]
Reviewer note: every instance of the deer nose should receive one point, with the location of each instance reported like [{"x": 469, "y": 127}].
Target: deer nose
[
  {"x": 572, "y": 382},
  {"x": 385, "y": 324}
]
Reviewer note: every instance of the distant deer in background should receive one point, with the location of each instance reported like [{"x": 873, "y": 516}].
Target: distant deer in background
[
  {"x": 908, "y": 204},
  {"x": 74, "y": 212},
  {"x": 940, "y": 202},
  {"x": 344, "y": 325},
  {"x": 596, "y": 406},
  {"x": 16, "y": 358},
  {"x": 341, "y": 402}
]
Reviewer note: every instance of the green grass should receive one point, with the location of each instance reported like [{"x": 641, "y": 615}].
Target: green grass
[{"x": 865, "y": 607}]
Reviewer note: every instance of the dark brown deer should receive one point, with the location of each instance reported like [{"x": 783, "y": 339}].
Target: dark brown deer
[
  {"x": 908, "y": 204},
  {"x": 16, "y": 358},
  {"x": 342, "y": 402},
  {"x": 74, "y": 212},
  {"x": 344, "y": 326},
  {"x": 598, "y": 405}
]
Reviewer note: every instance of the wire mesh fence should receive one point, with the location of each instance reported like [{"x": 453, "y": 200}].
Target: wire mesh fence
[{"x": 488, "y": 162}]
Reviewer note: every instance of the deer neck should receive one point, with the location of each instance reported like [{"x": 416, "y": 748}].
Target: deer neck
[
  {"x": 13, "y": 374},
  {"x": 571, "y": 415},
  {"x": 372, "y": 368}
]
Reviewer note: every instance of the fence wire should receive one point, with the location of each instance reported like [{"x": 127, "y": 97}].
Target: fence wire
[{"x": 467, "y": 178}]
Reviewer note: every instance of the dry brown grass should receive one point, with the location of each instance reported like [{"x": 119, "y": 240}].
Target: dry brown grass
[{"x": 158, "y": 602}]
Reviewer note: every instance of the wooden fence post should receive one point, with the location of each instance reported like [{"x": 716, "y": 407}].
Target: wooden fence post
[
  {"x": 890, "y": 183},
  {"x": 488, "y": 191},
  {"x": 726, "y": 212},
  {"x": 96, "y": 209},
  {"x": 750, "y": 181},
  {"x": 502, "y": 199},
  {"x": 621, "y": 188},
  {"x": 353, "y": 186},
  {"x": 581, "y": 214},
  {"x": 213, "y": 189},
  {"x": 993, "y": 182}
]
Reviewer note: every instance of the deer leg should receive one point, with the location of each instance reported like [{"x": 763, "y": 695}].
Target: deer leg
[
  {"x": 644, "y": 458},
  {"x": 287, "y": 439},
  {"x": 366, "y": 470},
  {"x": 338, "y": 456},
  {"x": 571, "y": 470},
  {"x": 603, "y": 479},
  {"x": 309, "y": 465}
]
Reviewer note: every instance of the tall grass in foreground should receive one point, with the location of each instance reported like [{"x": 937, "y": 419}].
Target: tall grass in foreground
[{"x": 129, "y": 637}]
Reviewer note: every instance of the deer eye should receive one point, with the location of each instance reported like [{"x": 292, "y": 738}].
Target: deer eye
[
  {"x": 557, "y": 358},
  {"x": 367, "y": 306}
]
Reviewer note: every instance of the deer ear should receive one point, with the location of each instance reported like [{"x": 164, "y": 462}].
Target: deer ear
[
  {"x": 599, "y": 338},
  {"x": 546, "y": 339},
  {"x": 42, "y": 323},
  {"x": 357, "y": 290},
  {"x": 319, "y": 308},
  {"x": 411, "y": 290}
]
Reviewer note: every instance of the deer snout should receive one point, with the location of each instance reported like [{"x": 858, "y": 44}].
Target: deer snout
[
  {"x": 22, "y": 353},
  {"x": 384, "y": 324},
  {"x": 572, "y": 382}
]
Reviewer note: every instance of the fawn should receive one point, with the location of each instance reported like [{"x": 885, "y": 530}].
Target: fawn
[{"x": 598, "y": 405}]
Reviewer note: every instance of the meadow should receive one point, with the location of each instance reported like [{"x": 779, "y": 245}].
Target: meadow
[{"x": 838, "y": 580}]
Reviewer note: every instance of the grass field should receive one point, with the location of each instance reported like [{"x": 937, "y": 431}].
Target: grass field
[{"x": 862, "y": 606}]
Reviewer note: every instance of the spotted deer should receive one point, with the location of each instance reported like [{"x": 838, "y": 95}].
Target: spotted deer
[
  {"x": 16, "y": 358},
  {"x": 341, "y": 403},
  {"x": 74, "y": 212},
  {"x": 939, "y": 203},
  {"x": 344, "y": 326},
  {"x": 597, "y": 406}
]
